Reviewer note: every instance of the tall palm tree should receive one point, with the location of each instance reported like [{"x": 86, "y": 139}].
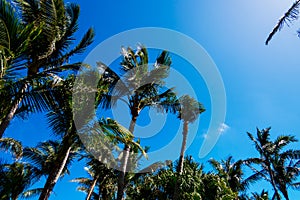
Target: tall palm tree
[
  {"x": 278, "y": 165},
  {"x": 140, "y": 86},
  {"x": 60, "y": 120},
  {"x": 46, "y": 51},
  {"x": 288, "y": 17},
  {"x": 189, "y": 112}
]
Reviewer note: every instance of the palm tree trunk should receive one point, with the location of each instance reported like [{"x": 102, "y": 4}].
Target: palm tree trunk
[
  {"x": 181, "y": 158},
  {"x": 285, "y": 194},
  {"x": 4, "y": 124},
  {"x": 55, "y": 174},
  {"x": 124, "y": 162},
  {"x": 183, "y": 147},
  {"x": 99, "y": 194},
  {"x": 89, "y": 195},
  {"x": 276, "y": 193}
]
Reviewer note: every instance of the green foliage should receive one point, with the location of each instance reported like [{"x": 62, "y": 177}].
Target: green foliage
[
  {"x": 37, "y": 42},
  {"x": 277, "y": 164},
  {"x": 15, "y": 179},
  {"x": 36, "y": 45},
  {"x": 194, "y": 184},
  {"x": 141, "y": 85},
  {"x": 12, "y": 146}
]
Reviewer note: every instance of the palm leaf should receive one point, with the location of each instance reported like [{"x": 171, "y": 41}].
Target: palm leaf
[
  {"x": 287, "y": 18},
  {"x": 283, "y": 140},
  {"x": 31, "y": 193},
  {"x": 10, "y": 22},
  {"x": 11, "y": 145},
  {"x": 80, "y": 48}
]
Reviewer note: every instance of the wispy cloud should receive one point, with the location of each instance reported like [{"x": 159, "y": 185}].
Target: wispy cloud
[{"x": 223, "y": 128}]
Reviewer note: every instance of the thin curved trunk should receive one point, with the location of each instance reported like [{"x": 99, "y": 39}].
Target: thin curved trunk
[
  {"x": 99, "y": 194},
  {"x": 276, "y": 193},
  {"x": 58, "y": 169},
  {"x": 181, "y": 158},
  {"x": 285, "y": 194},
  {"x": 183, "y": 147},
  {"x": 124, "y": 162},
  {"x": 54, "y": 176},
  {"x": 5, "y": 122},
  {"x": 89, "y": 195}
]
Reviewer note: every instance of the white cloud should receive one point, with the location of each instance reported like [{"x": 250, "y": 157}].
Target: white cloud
[{"x": 223, "y": 128}]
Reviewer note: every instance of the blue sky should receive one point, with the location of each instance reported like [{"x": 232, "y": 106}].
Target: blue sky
[{"x": 261, "y": 82}]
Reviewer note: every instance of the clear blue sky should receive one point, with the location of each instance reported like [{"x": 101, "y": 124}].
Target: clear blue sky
[{"x": 261, "y": 82}]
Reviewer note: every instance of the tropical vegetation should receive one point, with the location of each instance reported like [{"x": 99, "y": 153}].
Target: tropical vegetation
[{"x": 37, "y": 76}]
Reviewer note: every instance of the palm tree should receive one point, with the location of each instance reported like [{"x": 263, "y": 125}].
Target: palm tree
[
  {"x": 60, "y": 120},
  {"x": 16, "y": 178},
  {"x": 141, "y": 86},
  {"x": 45, "y": 157},
  {"x": 280, "y": 167},
  {"x": 288, "y": 17},
  {"x": 189, "y": 112},
  {"x": 195, "y": 183},
  {"x": 45, "y": 51},
  {"x": 101, "y": 177},
  {"x": 101, "y": 174},
  {"x": 232, "y": 172}
]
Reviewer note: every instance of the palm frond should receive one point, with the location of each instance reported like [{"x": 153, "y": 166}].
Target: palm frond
[
  {"x": 87, "y": 39},
  {"x": 296, "y": 186},
  {"x": 163, "y": 59},
  {"x": 30, "y": 10},
  {"x": 36, "y": 156},
  {"x": 216, "y": 165},
  {"x": 256, "y": 143},
  {"x": 252, "y": 179},
  {"x": 10, "y": 22},
  {"x": 287, "y": 18},
  {"x": 190, "y": 109},
  {"x": 283, "y": 140},
  {"x": 116, "y": 131},
  {"x": 11, "y": 145},
  {"x": 31, "y": 193},
  {"x": 290, "y": 154},
  {"x": 4, "y": 36}
]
